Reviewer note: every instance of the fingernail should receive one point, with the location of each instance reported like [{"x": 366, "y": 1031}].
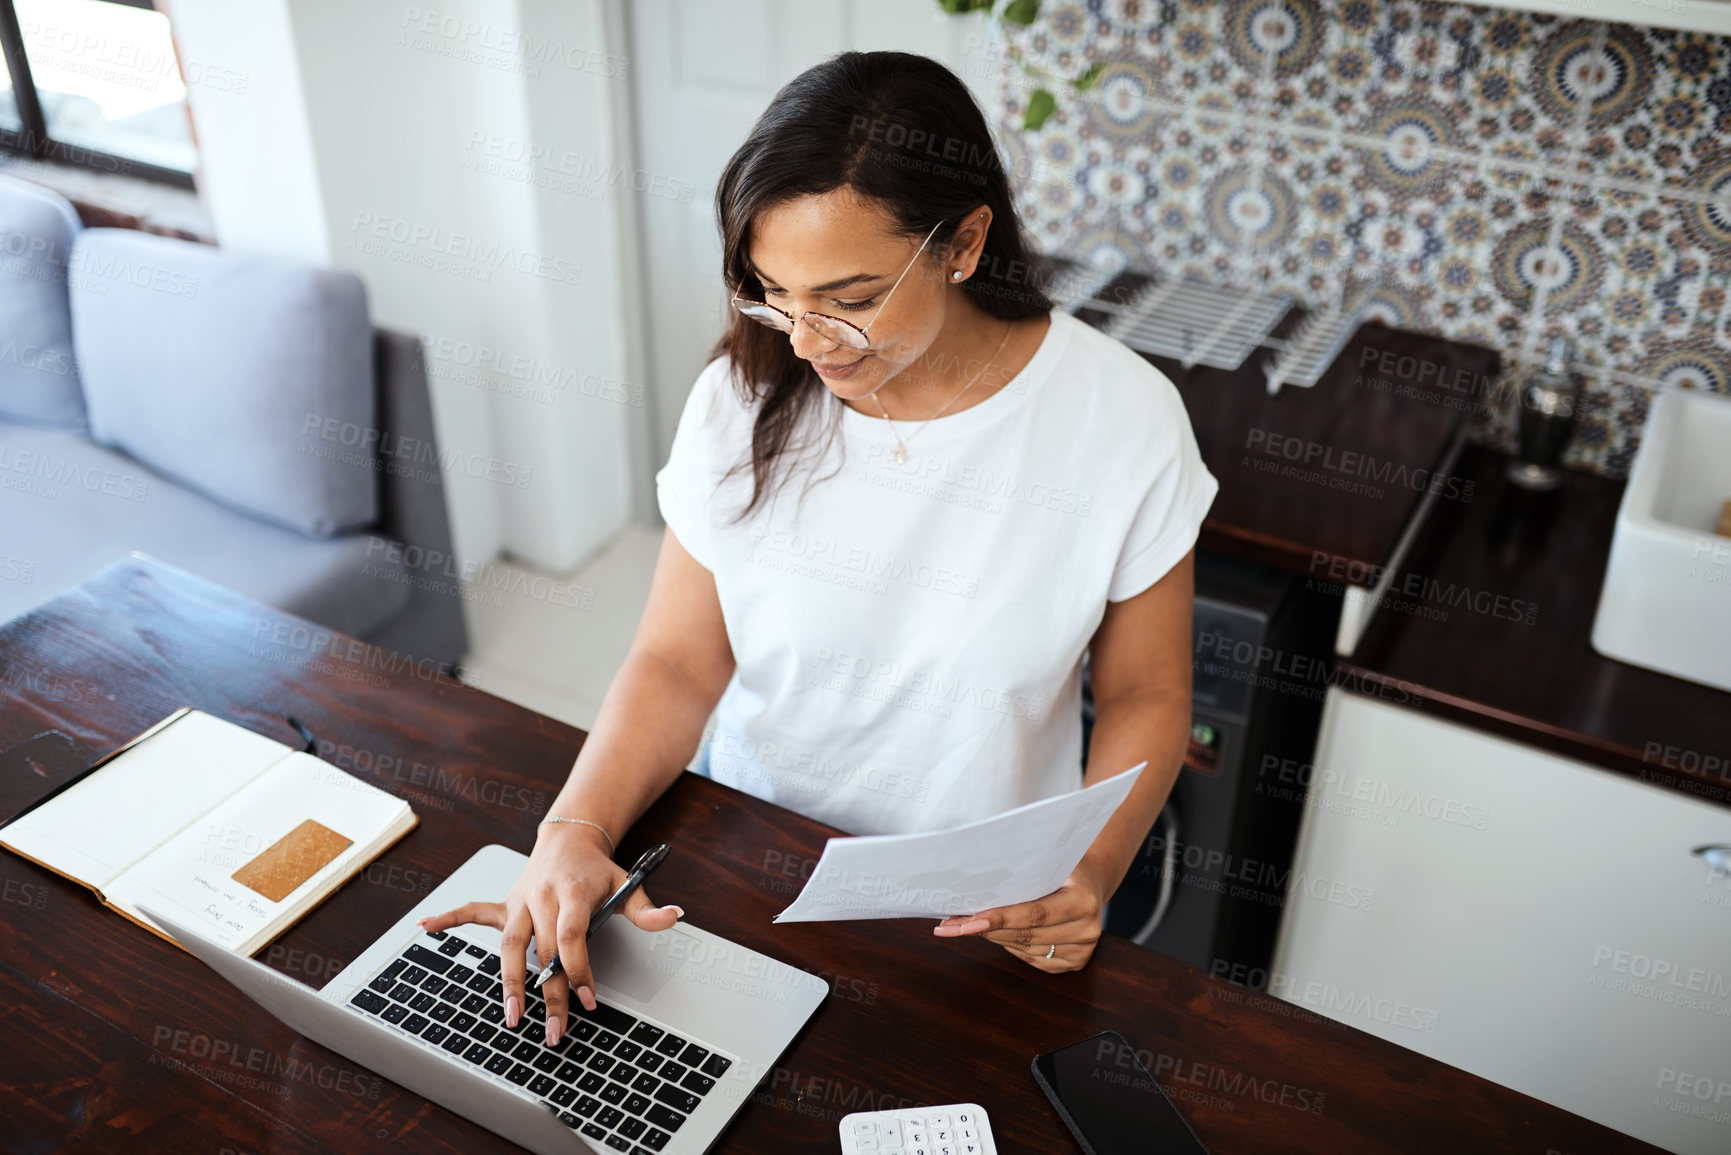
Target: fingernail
[
  {"x": 977, "y": 924},
  {"x": 513, "y": 1009},
  {"x": 555, "y": 1028},
  {"x": 678, "y": 911},
  {"x": 945, "y": 931},
  {"x": 586, "y": 997}
]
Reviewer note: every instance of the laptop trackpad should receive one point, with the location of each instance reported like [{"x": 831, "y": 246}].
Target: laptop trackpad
[{"x": 624, "y": 958}]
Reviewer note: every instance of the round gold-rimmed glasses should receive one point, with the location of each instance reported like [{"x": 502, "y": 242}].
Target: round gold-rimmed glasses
[{"x": 829, "y": 328}]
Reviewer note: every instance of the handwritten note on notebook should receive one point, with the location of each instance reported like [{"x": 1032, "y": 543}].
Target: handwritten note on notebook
[{"x": 1016, "y": 856}]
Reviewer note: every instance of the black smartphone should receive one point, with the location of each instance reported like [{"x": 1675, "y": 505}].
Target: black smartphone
[{"x": 1110, "y": 1102}]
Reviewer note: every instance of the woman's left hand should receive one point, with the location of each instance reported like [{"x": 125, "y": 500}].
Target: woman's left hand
[{"x": 1070, "y": 918}]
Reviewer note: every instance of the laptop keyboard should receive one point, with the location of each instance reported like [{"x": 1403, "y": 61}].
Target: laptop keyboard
[{"x": 620, "y": 1080}]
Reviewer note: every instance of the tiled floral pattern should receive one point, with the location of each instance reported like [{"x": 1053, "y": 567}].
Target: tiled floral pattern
[{"x": 1493, "y": 176}]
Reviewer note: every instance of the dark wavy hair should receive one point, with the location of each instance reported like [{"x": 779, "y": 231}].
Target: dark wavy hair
[{"x": 902, "y": 131}]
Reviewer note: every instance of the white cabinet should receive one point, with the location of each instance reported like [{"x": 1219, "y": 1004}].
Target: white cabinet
[
  {"x": 1695, "y": 15},
  {"x": 1531, "y": 919}
]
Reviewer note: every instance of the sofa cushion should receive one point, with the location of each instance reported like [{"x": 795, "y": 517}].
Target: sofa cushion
[
  {"x": 70, "y": 507},
  {"x": 38, "y": 374},
  {"x": 249, "y": 380}
]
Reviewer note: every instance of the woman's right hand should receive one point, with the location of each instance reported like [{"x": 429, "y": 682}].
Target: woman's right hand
[{"x": 569, "y": 875}]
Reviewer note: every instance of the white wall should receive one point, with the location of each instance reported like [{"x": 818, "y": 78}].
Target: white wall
[
  {"x": 415, "y": 113},
  {"x": 259, "y": 182},
  {"x": 450, "y": 125}
]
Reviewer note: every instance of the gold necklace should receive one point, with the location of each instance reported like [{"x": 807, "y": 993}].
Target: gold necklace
[{"x": 901, "y": 453}]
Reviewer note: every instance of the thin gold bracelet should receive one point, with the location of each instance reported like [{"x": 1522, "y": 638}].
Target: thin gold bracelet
[{"x": 611, "y": 848}]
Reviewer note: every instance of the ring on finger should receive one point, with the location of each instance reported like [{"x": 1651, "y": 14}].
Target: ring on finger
[{"x": 1053, "y": 951}]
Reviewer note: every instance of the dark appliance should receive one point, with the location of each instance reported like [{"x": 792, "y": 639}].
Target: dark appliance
[{"x": 1210, "y": 879}]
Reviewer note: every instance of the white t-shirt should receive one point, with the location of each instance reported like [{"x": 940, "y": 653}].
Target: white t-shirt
[{"x": 909, "y": 638}]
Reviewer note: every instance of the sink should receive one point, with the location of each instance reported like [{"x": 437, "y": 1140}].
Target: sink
[{"x": 1666, "y": 601}]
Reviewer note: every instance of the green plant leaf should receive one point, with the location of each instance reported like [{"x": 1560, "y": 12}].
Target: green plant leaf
[
  {"x": 1023, "y": 12},
  {"x": 1041, "y": 105},
  {"x": 963, "y": 7},
  {"x": 1088, "y": 79}
]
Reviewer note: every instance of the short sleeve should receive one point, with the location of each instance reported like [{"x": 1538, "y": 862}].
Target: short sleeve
[
  {"x": 1170, "y": 514},
  {"x": 684, "y": 486}
]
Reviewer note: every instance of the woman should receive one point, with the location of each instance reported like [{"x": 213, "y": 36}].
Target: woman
[{"x": 901, "y": 504}]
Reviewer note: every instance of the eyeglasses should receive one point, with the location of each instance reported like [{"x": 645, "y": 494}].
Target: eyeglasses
[{"x": 829, "y": 328}]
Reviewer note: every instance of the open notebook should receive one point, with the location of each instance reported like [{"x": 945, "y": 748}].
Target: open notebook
[{"x": 217, "y": 827}]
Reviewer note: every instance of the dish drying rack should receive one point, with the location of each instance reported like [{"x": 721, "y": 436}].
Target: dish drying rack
[{"x": 1197, "y": 323}]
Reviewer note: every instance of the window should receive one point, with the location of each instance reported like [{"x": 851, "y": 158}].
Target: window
[{"x": 94, "y": 83}]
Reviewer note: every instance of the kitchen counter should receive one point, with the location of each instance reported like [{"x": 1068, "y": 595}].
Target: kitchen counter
[
  {"x": 1489, "y": 620},
  {"x": 1492, "y": 590},
  {"x": 1323, "y": 480}
]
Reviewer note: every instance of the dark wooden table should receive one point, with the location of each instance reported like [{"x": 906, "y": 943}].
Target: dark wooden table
[{"x": 113, "y": 1040}]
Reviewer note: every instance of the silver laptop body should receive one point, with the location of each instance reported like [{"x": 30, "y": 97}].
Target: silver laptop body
[{"x": 708, "y": 1020}]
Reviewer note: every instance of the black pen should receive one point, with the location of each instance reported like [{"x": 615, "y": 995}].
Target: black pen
[{"x": 650, "y": 860}]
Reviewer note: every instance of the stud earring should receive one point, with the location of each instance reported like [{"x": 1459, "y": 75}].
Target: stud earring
[{"x": 956, "y": 276}]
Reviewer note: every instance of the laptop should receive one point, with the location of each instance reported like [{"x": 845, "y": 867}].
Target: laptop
[{"x": 687, "y": 1024}]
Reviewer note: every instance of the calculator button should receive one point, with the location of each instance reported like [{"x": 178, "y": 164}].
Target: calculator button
[
  {"x": 864, "y": 1127},
  {"x": 867, "y": 1143}
]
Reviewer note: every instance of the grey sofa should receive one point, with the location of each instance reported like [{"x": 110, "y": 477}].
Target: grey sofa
[{"x": 238, "y": 418}]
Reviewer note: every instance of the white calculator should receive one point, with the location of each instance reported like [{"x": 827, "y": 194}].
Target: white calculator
[{"x": 956, "y": 1129}]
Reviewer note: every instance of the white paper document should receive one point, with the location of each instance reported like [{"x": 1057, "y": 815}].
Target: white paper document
[{"x": 1016, "y": 856}]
